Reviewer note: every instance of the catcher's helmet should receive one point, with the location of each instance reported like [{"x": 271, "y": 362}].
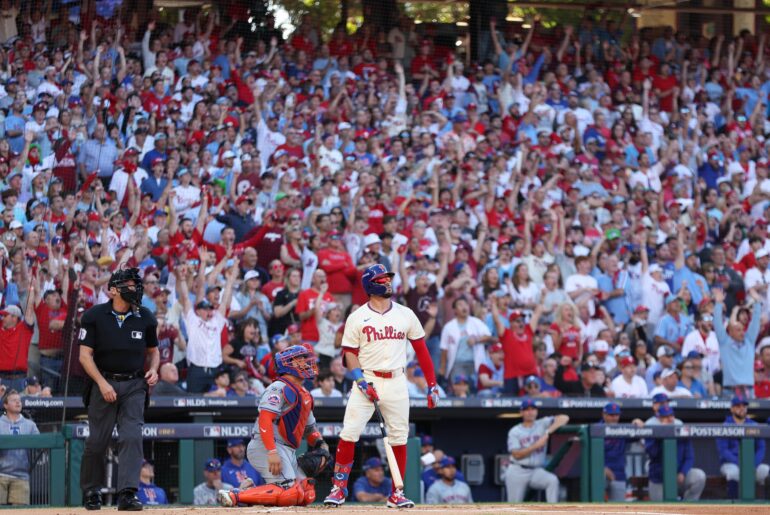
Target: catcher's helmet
[
  {"x": 374, "y": 282},
  {"x": 298, "y": 361}
]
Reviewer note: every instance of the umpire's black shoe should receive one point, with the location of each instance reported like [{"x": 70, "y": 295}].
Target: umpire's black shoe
[
  {"x": 92, "y": 501},
  {"x": 127, "y": 501}
]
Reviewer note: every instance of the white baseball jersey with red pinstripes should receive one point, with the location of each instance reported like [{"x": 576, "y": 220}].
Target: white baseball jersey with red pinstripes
[{"x": 382, "y": 338}]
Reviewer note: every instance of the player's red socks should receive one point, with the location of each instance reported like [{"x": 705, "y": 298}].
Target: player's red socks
[
  {"x": 343, "y": 463},
  {"x": 400, "y": 452}
]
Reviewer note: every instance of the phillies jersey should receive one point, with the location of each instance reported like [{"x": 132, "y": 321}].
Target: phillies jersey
[{"x": 381, "y": 338}]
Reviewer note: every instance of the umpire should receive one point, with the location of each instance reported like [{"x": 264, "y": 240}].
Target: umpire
[{"x": 116, "y": 338}]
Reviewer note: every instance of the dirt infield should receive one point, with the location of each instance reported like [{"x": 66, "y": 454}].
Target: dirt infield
[{"x": 520, "y": 509}]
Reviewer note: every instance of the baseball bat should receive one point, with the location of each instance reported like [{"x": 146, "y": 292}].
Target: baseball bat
[{"x": 395, "y": 472}]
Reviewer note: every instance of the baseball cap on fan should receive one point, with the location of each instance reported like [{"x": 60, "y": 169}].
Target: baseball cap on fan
[{"x": 12, "y": 310}]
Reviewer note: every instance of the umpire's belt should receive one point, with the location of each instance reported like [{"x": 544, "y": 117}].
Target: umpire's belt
[
  {"x": 387, "y": 374},
  {"x": 122, "y": 377}
]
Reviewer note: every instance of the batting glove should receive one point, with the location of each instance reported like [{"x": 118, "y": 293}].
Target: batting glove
[
  {"x": 368, "y": 390},
  {"x": 432, "y": 397}
]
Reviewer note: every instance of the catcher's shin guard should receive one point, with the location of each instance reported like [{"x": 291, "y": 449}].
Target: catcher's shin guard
[{"x": 301, "y": 493}]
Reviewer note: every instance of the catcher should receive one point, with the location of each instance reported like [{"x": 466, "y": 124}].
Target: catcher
[{"x": 285, "y": 417}]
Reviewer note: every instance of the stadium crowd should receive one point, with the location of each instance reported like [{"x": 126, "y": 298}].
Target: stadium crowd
[{"x": 578, "y": 212}]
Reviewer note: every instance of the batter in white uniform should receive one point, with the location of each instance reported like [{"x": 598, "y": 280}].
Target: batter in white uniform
[{"x": 374, "y": 345}]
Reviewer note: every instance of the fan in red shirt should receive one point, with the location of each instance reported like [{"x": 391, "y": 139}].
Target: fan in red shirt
[
  {"x": 376, "y": 211},
  {"x": 519, "y": 355},
  {"x": 645, "y": 70},
  {"x": 367, "y": 67},
  {"x": 423, "y": 63},
  {"x": 306, "y": 305},
  {"x": 761, "y": 378},
  {"x": 156, "y": 100},
  {"x": 609, "y": 180},
  {"x": 497, "y": 210},
  {"x": 65, "y": 161},
  {"x": 167, "y": 337},
  {"x": 341, "y": 45},
  {"x": 665, "y": 87},
  {"x": 15, "y": 336},
  {"x": 565, "y": 332},
  {"x": 300, "y": 42},
  {"x": 293, "y": 145},
  {"x": 276, "y": 282},
  {"x": 338, "y": 265}
]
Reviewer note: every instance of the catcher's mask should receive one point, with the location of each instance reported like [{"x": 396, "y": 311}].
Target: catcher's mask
[
  {"x": 298, "y": 361},
  {"x": 131, "y": 293}
]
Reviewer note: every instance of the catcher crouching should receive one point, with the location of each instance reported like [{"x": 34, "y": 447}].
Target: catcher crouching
[{"x": 285, "y": 418}]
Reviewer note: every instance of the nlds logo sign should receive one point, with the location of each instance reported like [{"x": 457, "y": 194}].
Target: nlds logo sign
[{"x": 226, "y": 431}]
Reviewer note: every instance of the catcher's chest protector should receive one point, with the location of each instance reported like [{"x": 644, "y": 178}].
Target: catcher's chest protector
[
  {"x": 301, "y": 493},
  {"x": 292, "y": 421}
]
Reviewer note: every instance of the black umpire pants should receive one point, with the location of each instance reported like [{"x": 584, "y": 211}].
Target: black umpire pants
[{"x": 128, "y": 412}]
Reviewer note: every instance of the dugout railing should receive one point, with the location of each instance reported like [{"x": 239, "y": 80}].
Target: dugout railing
[
  {"x": 747, "y": 434},
  {"x": 196, "y": 444},
  {"x": 48, "y": 458}
]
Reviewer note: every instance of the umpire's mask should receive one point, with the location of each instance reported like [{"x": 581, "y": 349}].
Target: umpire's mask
[{"x": 120, "y": 280}]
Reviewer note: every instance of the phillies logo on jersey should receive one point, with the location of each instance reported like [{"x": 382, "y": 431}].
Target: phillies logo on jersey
[{"x": 388, "y": 333}]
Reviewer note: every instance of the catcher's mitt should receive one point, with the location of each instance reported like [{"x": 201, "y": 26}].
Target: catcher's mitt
[{"x": 314, "y": 462}]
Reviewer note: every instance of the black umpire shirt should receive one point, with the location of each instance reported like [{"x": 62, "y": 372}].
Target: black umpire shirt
[{"x": 119, "y": 340}]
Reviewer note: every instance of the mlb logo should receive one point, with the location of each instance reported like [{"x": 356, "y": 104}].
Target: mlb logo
[
  {"x": 212, "y": 431},
  {"x": 136, "y": 335}
]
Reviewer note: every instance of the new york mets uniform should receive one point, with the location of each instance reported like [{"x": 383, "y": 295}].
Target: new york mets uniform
[
  {"x": 293, "y": 406},
  {"x": 529, "y": 471}
]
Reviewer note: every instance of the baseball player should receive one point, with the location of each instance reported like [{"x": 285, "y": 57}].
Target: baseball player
[
  {"x": 527, "y": 443},
  {"x": 615, "y": 454},
  {"x": 729, "y": 452},
  {"x": 285, "y": 417},
  {"x": 374, "y": 345},
  {"x": 690, "y": 480}
]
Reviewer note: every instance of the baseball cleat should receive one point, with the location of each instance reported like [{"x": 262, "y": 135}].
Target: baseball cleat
[
  {"x": 227, "y": 498},
  {"x": 397, "y": 500},
  {"x": 336, "y": 497}
]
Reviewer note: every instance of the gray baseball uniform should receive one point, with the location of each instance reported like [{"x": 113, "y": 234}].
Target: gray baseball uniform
[
  {"x": 281, "y": 399},
  {"x": 441, "y": 492},
  {"x": 205, "y": 495},
  {"x": 528, "y": 472}
]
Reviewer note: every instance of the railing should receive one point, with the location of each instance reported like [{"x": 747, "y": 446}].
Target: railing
[
  {"x": 670, "y": 434},
  {"x": 52, "y": 444},
  {"x": 63, "y": 453},
  {"x": 196, "y": 445},
  {"x": 581, "y": 437},
  {"x": 571, "y": 403}
]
